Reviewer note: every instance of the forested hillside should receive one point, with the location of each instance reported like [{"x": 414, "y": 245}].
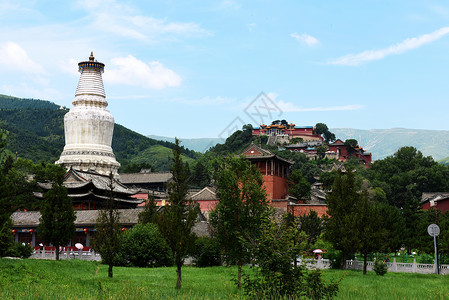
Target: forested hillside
[{"x": 35, "y": 130}]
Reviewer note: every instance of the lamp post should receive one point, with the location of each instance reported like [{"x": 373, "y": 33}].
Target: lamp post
[{"x": 434, "y": 231}]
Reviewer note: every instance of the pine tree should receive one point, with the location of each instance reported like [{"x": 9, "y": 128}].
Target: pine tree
[
  {"x": 107, "y": 239},
  {"x": 241, "y": 209},
  {"x": 177, "y": 219},
  {"x": 56, "y": 225}
]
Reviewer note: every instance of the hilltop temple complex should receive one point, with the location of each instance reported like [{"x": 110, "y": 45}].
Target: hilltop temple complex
[{"x": 304, "y": 139}]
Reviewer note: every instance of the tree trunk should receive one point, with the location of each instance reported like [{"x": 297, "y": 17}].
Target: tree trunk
[
  {"x": 239, "y": 276},
  {"x": 365, "y": 262},
  {"x": 57, "y": 253},
  {"x": 343, "y": 257},
  {"x": 110, "y": 269},
  {"x": 179, "y": 277}
]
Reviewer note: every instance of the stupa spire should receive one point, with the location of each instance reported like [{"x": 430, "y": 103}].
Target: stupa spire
[{"x": 89, "y": 125}]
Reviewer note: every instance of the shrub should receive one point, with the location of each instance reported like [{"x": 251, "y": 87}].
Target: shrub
[
  {"x": 380, "y": 267},
  {"x": 20, "y": 250},
  {"x": 144, "y": 246},
  {"x": 207, "y": 252},
  {"x": 275, "y": 275}
]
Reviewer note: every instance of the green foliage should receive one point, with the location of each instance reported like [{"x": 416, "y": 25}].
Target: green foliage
[
  {"x": 341, "y": 226},
  {"x": 312, "y": 225},
  {"x": 149, "y": 213},
  {"x": 207, "y": 252},
  {"x": 144, "y": 246},
  {"x": 235, "y": 143},
  {"x": 241, "y": 209},
  {"x": 404, "y": 177},
  {"x": 8, "y": 102},
  {"x": 321, "y": 128},
  {"x": 178, "y": 218},
  {"x": 134, "y": 167},
  {"x": 380, "y": 267},
  {"x": 20, "y": 250},
  {"x": 200, "y": 176},
  {"x": 107, "y": 239},
  {"x": 57, "y": 221},
  {"x": 298, "y": 185},
  {"x": 275, "y": 275}
]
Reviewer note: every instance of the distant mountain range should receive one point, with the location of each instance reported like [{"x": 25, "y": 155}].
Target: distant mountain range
[{"x": 380, "y": 142}]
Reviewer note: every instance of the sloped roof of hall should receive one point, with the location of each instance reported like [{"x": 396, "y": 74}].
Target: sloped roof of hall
[
  {"x": 156, "y": 177},
  {"x": 207, "y": 193},
  {"x": 434, "y": 196},
  {"x": 83, "y": 217},
  {"x": 77, "y": 179},
  {"x": 264, "y": 153}
]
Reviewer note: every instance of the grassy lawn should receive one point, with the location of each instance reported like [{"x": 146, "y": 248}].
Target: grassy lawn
[{"x": 42, "y": 279}]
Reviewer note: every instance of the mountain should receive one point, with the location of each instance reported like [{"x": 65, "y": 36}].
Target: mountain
[
  {"x": 384, "y": 142},
  {"x": 380, "y": 142},
  {"x": 35, "y": 130},
  {"x": 195, "y": 144}
]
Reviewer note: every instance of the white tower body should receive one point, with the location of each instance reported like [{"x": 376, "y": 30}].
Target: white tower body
[{"x": 89, "y": 125}]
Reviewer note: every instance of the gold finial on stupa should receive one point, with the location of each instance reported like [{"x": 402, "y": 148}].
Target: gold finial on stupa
[{"x": 91, "y": 57}]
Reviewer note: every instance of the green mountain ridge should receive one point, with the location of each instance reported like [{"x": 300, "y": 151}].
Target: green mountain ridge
[{"x": 35, "y": 130}]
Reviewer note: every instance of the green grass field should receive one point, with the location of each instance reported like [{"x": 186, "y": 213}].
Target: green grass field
[{"x": 42, "y": 279}]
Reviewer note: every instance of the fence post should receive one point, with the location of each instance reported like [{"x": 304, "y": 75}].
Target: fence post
[
  {"x": 395, "y": 266},
  {"x": 414, "y": 266}
]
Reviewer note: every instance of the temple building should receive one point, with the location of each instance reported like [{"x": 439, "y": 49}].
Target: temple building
[{"x": 275, "y": 171}]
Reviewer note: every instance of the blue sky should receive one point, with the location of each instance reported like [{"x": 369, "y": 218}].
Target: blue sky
[{"x": 198, "y": 68}]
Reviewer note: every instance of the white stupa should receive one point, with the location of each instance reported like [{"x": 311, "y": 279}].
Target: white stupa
[{"x": 89, "y": 125}]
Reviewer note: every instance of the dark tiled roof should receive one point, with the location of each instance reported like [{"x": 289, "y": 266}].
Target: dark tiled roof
[
  {"x": 434, "y": 196},
  {"x": 208, "y": 193},
  {"x": 83, "y": 217},
  {"x": 132, "y": 178}
]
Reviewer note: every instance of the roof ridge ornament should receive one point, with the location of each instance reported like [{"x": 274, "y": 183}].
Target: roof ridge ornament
[{"x": 91, "y": 57}]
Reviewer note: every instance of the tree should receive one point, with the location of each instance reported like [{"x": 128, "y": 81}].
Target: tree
[
  {"x": 274, "y": 275},
  {"x": 179, "y": 216},
  {"x": 107, "y": 239},
  {"x": 200, "y": 176},
  {"x": 403, "y": 177},
  {"x": 241, "y": 208},
  {"x": 57, "y": 221},
  {"x": 341, "y": 226},
  {"x": 321, "y": 128},
  {"x": 149, "y": 213},
  {"x": 144, "y": 246},
  {"x": 312, "y": 225},
  {"x": 321, "y": 151},
  {"x": 351, "y": 144},
  {"x": 371, "y": 231},
  {"x": 298, "y": 186}
]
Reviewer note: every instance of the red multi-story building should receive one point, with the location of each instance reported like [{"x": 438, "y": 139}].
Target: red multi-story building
[
  {"x": 307, "y": 133},
  {"x": 345, "y": 152},
  {"x": 275, "y": 171}
]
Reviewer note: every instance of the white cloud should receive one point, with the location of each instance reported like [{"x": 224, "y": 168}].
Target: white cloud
[
  {"x": 291, "y": 107},
  {"x": 110, "y": 16},
  {"x": 228, "y": 4},
  {"x": 286, "y": 107},
  {"x": 14, "y": 57},
  {"x": 406, "y": 45},
  {"x": 131, "y": 71},
  {"x": 305, "y": 39}
]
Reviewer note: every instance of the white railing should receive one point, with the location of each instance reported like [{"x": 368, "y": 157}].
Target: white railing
[
  {"x": 51, "y": 254},
  {"x": 400, "y": 267}
]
